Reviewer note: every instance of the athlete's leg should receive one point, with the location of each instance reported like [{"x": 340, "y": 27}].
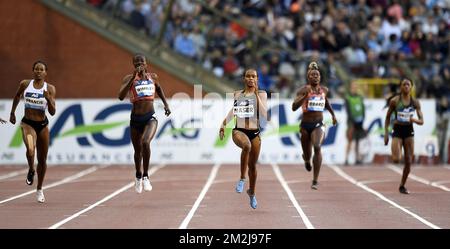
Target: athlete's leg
[
  {"x": 254, "y": 155},
  {"x": 42, "y": 144},
  {"x": 149, "y": 133},
  {"x": 306, "y": 147},
  {"x": 242, "y": 141},
  {"x": 29, "y": 137},
  {"x": 136, "y": 140},
  {"x": 396, "y": 149},
  {"x": 316, "y": 139},
  {"x": 408, "y": 145}
]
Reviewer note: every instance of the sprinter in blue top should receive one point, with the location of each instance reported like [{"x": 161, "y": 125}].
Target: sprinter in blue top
[
  {"x": 403, "y": 105},
  {"x": 38, "y": 96}
]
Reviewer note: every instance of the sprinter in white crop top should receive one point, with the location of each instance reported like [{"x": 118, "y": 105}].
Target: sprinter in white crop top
[{"x": 39, "y": 96}]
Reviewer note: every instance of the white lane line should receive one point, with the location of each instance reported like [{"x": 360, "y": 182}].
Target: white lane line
[
  {"x": 375, "y": 181},
  {"x": 122, "y": 189},
  {"x": 382, "y": 197},
  {"x": 18, "y": 172},
  {"x": 208, "y": 184},
  {"x": 12, "y": 174},
  {"x": 418, "y": 178},
  {"x": 281, "y": 179},
  {"x": 63, "y": 181}
]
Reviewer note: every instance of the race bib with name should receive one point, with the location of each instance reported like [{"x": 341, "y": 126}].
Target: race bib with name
[
  {"x": 316, "y": 104},
  {"x": 244, "y": 108},
  {"x": 404, "y": 117},
  {"x": 145, "y": 88}
]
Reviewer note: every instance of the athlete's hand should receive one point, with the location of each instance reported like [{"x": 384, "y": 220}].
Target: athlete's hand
[
  {"x": 46, "y": 95},
  {"x": 12, "y": 118},
  {"x": 334, "y": 120},
  {"x": 221, "y": 133},
  {"x": 167, "y": 111},
  {"x": 386, "y": 138},
  {"x": 139, "y": 69}
]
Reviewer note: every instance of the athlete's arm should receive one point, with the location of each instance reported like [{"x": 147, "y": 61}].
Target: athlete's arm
[
  {"x": 50, "y": 95},
  {"x": 226, "y": 120},
  {"x": 261, "y": 97},
  {"x": 387, "y": 120},
  {"x": 328, "y": 107},
  {"x": 419, "y": 114},
  {"x": 160, "y": 92},
  {"x": 22, "y": 86},
  {"x": 301, "y": 97},
  {"x": 126, "y": 84}
]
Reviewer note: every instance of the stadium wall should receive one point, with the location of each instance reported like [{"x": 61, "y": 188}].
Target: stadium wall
[{"x": 81, "y": 63}]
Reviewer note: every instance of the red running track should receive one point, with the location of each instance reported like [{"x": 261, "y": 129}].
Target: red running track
[{"x": 203, "y": 196}]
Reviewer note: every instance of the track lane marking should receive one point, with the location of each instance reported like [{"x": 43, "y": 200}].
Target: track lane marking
[
  {"x": 382, "y": 197},
  {"x": 63, "y": 181},
  {"x": 122, "y": 189},
  {"x": 200, "y": 197},
  {"x": 291, "y": 196}
]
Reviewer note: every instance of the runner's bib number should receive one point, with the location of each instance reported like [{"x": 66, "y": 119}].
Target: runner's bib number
[
  {"x": 244, "y": 111},
  {"x": 316, "y": 104},
  {"x": 145, "y": 89}
]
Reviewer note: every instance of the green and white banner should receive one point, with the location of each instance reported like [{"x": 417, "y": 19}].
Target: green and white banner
[{"x": 88, "y": 131}]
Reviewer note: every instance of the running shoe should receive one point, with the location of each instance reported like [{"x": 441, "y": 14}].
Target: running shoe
[
  {"x": 40, "y": 196},
  {"x": 240, "y": 186},
  {"x": 30, "y": 177},
  {"x": 253, "y": 202},
  {"x": 314, "y": 185},
  {"x": 403, "y": 190},
  {"x": 307, "y": 163},
  {"x": 146, "y": 183},
  {"x": 138, "y": 185}
]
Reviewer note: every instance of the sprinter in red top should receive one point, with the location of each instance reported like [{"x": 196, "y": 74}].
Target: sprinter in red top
[
  {"x": 142, "y": 86},
  {"x": 313, "y": 99}
]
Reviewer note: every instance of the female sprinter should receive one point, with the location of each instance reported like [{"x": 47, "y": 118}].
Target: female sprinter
[
  {"x": 313, "y": 99},
  {"x": 403, "y": 106},
  {"x": 141, "y": 85},
  {"x": 39, "y": 96},
  {"x": 249, "y": 105}
]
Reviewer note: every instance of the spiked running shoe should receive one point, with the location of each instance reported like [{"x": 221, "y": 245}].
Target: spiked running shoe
[
  {"x": 253, "y": 202},
  {"x": 40, "y": 196},
  {"x": 146, "y": 183},
  {"x": 240, "y": 186},
  {"x": 138, "y": 185},
  {"x": 403, "y": 190},
  {"x": 314, "y": 185},
  {"x": 30, "y": 177}
]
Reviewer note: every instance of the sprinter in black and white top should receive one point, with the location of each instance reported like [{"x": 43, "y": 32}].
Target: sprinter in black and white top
[
  {"x": 39, "y": 96},
  {"x": 403, "y": 106},
  {"x": 249, "y": 106}
]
